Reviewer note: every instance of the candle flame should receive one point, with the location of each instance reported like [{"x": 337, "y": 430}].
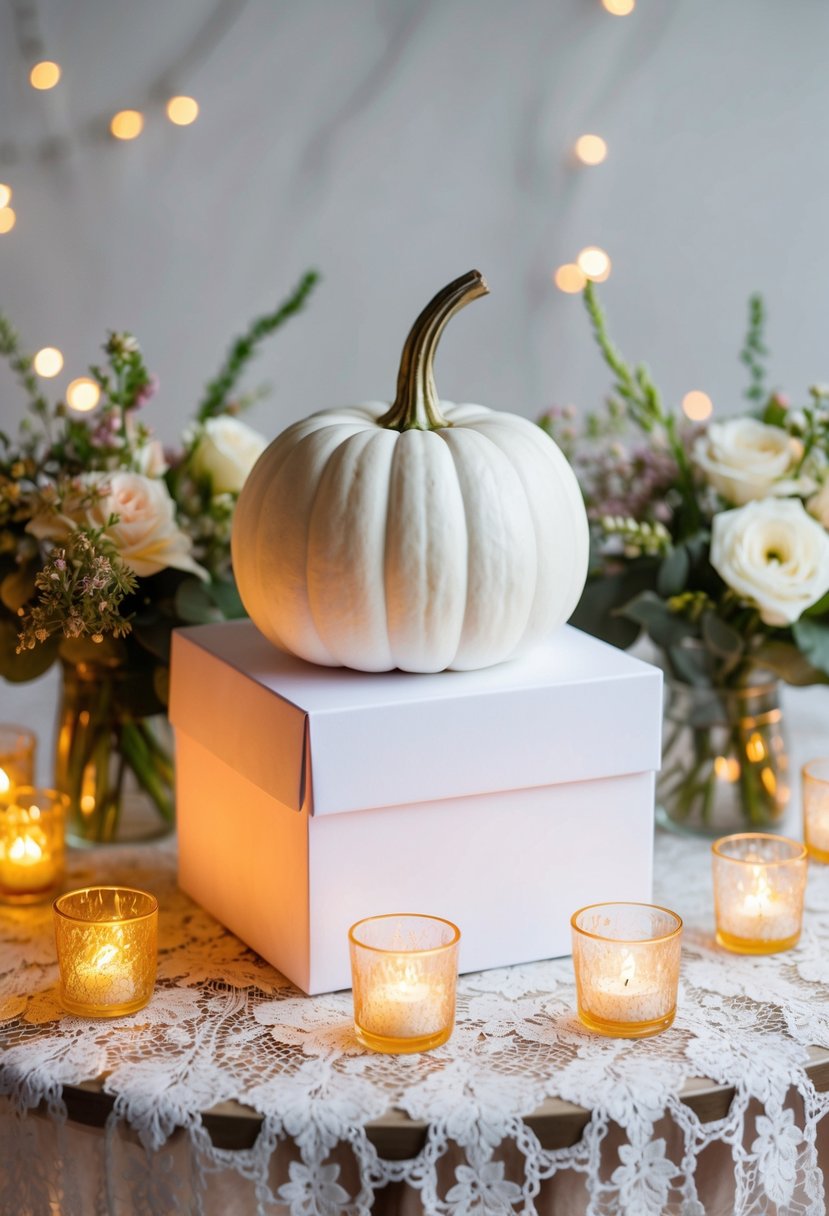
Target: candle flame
[
  {"x": 25, "y": 850},
  {"x": 5, "y": 781},
  {"x": 628, "y": 970}
]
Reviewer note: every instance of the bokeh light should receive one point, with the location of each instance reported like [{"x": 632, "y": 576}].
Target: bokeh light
[
  {"x": 48, "y": 361},
  {"x": 594, "y": 263},
  {"x": 591, "y": 149},
  {"x": 82, "y": 395},
  {"x": 182, "y": 110},
  {"x": 619, "y": 8},
  {"x": 127, "y": 124},
  {"x": 570, "y": 278},
  {"x": 5, "y": 194},
  {"x": 697, "y": 406},
  {"x": 44, "y": 75},
  {"x": 8, "y": 219}
]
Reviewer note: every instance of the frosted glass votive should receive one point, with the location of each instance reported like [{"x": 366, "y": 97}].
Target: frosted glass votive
[
  {"x": 626, "y": 963},
  {"x": 107, "y": 948},
  {"x": 17, "y": 757},
  {"x": 404, "y": 971},
  {"x": 759, "y": 883},
  {"x": 815, "y": 793},
  {"x": 32, "y": 827}
]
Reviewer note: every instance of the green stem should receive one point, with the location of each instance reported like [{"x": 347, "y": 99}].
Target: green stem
[
  {"x": 143, "y": 765},
  {"x": 417, "y": 405}
]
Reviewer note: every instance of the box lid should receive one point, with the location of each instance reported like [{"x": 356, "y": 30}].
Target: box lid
[{"x": 573, "y": 709}]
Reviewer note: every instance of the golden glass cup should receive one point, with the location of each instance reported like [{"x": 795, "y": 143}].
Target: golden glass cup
[
  {"x": 404, "y": 971},
  {"x": 17, "y": 757},
  {"x": 107, "y": 944},
  {"x": 626, "y": 962},
  {"x": 32, "y": 827},
  {"x": 759, "y": 883},
  {"x": 814, "y": 786}
]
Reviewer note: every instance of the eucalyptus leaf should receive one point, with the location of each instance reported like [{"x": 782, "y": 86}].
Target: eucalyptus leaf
[
  {"x": 721, "y": 638},
  {"x": 784, "y": 660},
  {"x": 18, "y": 587},
  {"x": 673, "y": 572},
  {"x": 194, "y": 604},
  {"x": 812, "y": 637},
  {"x": 29, "y": 664},
  {"x": 226, "y": 597},
  {"x": 665, "y": 628},
  {"x": 597, "y": 610}
]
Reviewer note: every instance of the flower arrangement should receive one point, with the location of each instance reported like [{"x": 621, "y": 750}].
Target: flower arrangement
[
  {"x": 107, "y": 543},
  {"x": 712, "y": 539}
]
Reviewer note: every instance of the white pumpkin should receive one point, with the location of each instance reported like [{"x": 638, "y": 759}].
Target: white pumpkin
[{"x": 421, "y": 536}]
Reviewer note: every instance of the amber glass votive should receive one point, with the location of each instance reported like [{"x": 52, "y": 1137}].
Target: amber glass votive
[
  {"x": 32, "y": 826},
  {"x": 107, "y": 943},
  {"x": 17, "y": 757},
  {"x": 404, "y": 971},
  {"x": 626, "y": 961},
  {"x": 759, "y": 882},
  {"x": 814, "y": 786}
]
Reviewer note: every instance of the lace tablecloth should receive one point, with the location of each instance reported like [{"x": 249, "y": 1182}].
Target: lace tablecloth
[{"x": 224, "y": 1025}]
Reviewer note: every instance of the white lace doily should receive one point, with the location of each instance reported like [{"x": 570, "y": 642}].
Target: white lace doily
[{"x": 223, "y": 1025}]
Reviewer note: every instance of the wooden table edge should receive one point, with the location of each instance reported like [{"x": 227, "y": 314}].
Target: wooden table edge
[{"x": 396, "y": 1137}]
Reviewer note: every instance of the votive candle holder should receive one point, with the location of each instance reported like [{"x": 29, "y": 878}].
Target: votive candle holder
[
  {"x": 626, "y": 962},
  {"x": 107, "y": 945},
  {"x": 404, "y": 970},
  {"x": 814, "y": 784},
  {"x": 759, "y": 883},
  {"x": 17, "y": 757},
  {"x": 32, "y": 832}
]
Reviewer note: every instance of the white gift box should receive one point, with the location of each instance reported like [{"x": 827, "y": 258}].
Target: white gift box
[{"x": 502, "y": 799}]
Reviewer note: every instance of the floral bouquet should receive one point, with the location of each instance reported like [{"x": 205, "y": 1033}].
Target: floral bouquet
[
  {"x": 712, "y": 539},
  {"x": 107, "y": 543}
]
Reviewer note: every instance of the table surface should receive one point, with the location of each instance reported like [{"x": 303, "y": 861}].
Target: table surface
[{"x": 233, "y": 1054}]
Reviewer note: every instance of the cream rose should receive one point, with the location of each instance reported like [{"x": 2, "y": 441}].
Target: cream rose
[
  {"x": 226, "y": 452},
  {"x": 774, "y": 554},
  {"x": 146, "y": 535},
  {"x": 744, "y": 459}
]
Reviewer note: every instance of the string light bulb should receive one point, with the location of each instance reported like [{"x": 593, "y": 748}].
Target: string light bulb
[
  {"x": 44, "y": 75},
  {"x": 127, "y": 124},
  {"x": 594, "y": 263},
  {"x": 570, "y": 278},
  {"x": 182, "y": 110},
  {"x": 8, "y": 219},
  {"x": 619, "y": 8},
  {"x": 82, "y": 395},
  {"x": 48, "y": 361},
  {"x": 5, "y": 195},
  {"x": 697, "y": 406},
  {"x": 591, "y": 149}
]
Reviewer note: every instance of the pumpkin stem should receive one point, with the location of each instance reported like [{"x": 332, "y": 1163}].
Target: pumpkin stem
[{"x": 416, "y": 404}]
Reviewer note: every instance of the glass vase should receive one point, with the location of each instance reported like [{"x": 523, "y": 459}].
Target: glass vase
[
  {"x": 113, "y": 761},
  {"x": 724, "y": 758}
]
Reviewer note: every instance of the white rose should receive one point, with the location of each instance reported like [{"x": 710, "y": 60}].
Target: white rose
[
  {"x": 744, "y": 459},
  {"x": 226, "y": 452},
  {"x": 146, "y": 535},
  {"x": 818, "y": 504},
  {"x": 774, "y": 554}
]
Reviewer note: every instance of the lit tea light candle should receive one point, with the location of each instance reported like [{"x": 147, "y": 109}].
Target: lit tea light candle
[
  {"x": 626, "y": 963},
  {"x": 17, "y": 757},
  {"x": 815, "y": 793},
  {"x": 404, "y": 971},
  {"x": 106, "y": 941},
  {"x": 759, "y": 883},
  {"x": 32, "y": 824}
]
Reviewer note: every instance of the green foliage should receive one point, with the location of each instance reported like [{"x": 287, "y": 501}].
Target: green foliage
[
  {"x": 217, "y": 394},
  {"x": 755, "y": 351}
]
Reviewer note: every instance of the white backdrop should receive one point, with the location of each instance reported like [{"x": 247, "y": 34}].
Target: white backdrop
[{"x": 394, "y": 144}]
